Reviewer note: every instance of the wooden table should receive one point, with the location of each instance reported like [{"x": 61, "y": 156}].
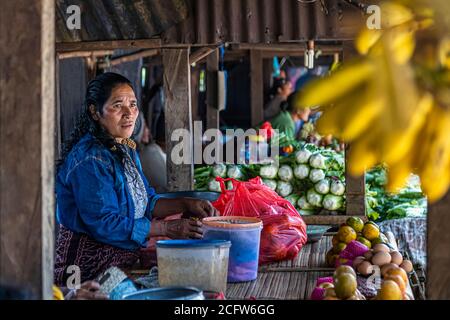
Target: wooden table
[
  {"x": 292, "y": 280},
  {"x": 287, "y": 280}
]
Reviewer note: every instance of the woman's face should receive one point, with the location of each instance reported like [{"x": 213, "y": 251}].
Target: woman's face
[{"x": 120, "y": 112}]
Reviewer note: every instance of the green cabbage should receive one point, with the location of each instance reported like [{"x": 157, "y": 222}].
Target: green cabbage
[
  {"x": 285, "y": 173},
  {"x": 315, "y": 175},
  {"x": 219, "y": 170},
  {"x": 268, "y": 171},
  {"x": 214, "y": 185},
  {"x": 317, "y": 161},
  {"x": 332, "y": 202},
  {"x": 293, "y": 198},
  {"x": 314, "y": 198},
  {"x": 284, "y": 188},
  {"x": 302, "y": 156},
  {"x": 301, "y": 171},
  {"x": 272, "y": 184},
  {"x": 302, "y": 203},
  {"x": 337, "y": 188},
  {"x": 323, "y": 186},
  {"x": 234, "y": 172}
]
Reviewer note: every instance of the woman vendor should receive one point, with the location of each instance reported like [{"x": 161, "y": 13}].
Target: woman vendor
[{"x": 105, "y": 206}]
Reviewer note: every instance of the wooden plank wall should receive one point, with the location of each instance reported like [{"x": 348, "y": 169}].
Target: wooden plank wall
[
  {"x": 27, "y": 96},
  {"x": 438, "y": 243},
  {"x": 178, "y": 114},
  {"x": 72, "y": 83}
]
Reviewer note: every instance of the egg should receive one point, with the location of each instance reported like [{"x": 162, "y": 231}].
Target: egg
[
  {"x": 368, "y": 255},
  {"x": 397, "y": 258},
  {"x": 381, "y": 258},
  {"x": 358, "y": 261},
  {"x": 386, "y": 267},
  {"x": 407, "y": 266},
  {"x": 365, "y": 268},
  {"x": 380, "y": 247}
]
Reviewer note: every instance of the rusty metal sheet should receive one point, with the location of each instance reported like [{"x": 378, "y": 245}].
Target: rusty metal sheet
[{"x": 203, "y": 22}]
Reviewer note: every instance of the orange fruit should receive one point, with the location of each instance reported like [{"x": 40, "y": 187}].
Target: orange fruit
[
  {"x": 399, "y": 281},
  {"x": 331, "y": 258},
  {"x": 371, "y": 231},
  {"x": 346, "y": 234},
  {"x": 345, "y": 286},
  {"x": 356, "y": 223},
  {"x": 339, "y": 247},
  {"x": 344, "y": 269},
  {"x": 389, "y": 291},
  {"x": 364, "y": 241},
  {"x": 397, "y": 272}
]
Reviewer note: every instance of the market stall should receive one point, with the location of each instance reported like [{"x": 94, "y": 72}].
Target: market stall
[{"x": 27, "y": 226}]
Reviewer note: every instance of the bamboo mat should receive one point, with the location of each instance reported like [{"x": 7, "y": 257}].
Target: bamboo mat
[{"x": 287, "y": 280}]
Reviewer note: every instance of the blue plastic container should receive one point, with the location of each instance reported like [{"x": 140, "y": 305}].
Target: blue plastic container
[
  {"x": 244, "y": 234},
  {"x": 171, "y": 293}
]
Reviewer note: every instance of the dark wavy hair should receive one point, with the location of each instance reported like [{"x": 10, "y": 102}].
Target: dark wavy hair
[{"x": 97, "y": 93}]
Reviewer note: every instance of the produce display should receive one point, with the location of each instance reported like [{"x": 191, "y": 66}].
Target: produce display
[
  {"x": 342, "y": 286},
  {"x": 382, "y": 205},
  {"x": 364, "y": 255},
  {"x": 311, "y": 178}
]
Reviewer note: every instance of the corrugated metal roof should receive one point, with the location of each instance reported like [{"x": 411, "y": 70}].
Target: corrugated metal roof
[
  {"x": 257, "y": 21},
  {"x": 119, "y": 19},
  {"x": 202, "y": 22}
]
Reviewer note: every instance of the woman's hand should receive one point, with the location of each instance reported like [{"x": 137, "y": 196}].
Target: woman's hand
[
  {"x": 183, "y": 229},
  {"x": 90, "y": 290},
  {"x": 198, "y": 208}
]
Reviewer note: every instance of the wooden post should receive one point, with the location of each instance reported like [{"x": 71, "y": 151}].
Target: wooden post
[
  {"x": 438, "y": 247},
  {"x": 178, "y": 115},
  {"x": 256, "y": 87},
  {"x": 27, "y": 78},
  {"x": 355, "y": 186},
  {"x": 212, "y": 113},
  {"x": 355, "y": 191}
]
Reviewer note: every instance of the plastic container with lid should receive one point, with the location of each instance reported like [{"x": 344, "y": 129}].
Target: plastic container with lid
[
  {"x": 244, "y": 234},
  {"x": 201, "y": 264},
  {"x": 171, "y": 293}
]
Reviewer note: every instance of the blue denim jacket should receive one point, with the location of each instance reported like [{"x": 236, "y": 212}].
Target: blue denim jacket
[{"x": 93, "y": 196}]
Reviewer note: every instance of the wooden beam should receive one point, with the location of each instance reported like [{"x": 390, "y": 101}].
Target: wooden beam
[
  {"x": 291, "y": 47},
  {"x": 326, "y": 220},
  {"x": 438, "y": 247},
  {"x": 108, "y": 45},
  {"x": 256, "y": 87},
  {"x": 129, "y": 58},
  {"x": 212, "y": 113},
  {"x": 84, "y": 54},
  {"x": 201, "y": 54},
  {"x": 27, "y": 77},
  {"x": 178, "y": 115}
]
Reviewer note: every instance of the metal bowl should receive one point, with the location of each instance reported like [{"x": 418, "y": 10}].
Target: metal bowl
[{"x": 315, "y": 232}]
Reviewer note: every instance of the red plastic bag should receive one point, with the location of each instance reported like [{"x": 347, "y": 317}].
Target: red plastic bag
[
  {"x": 284, "y": 231},
  {"x": 268, "y": 131}
]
